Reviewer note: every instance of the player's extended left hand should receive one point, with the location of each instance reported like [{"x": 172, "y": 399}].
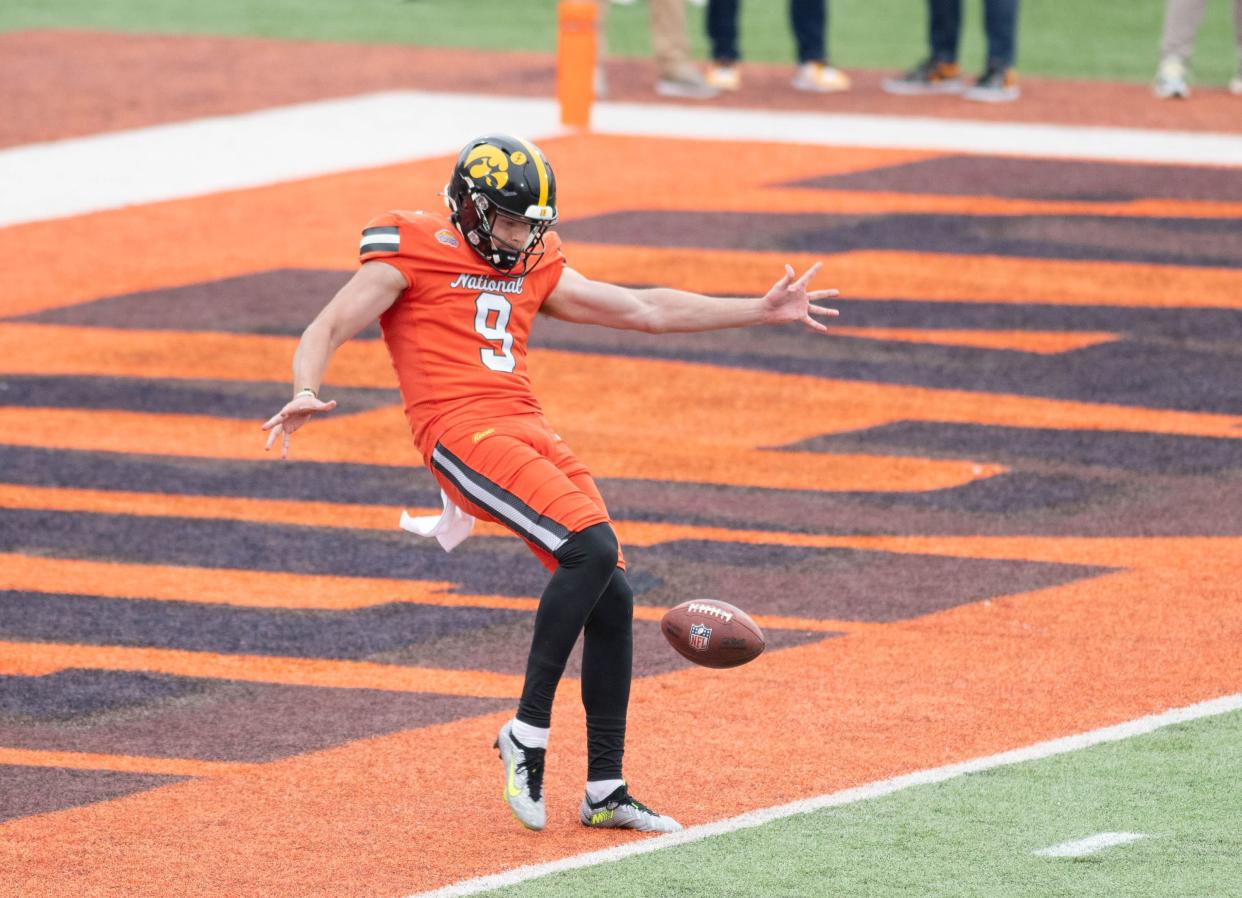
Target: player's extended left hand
[
  {"x": 789, "y": 300},
  {"x": 296, "y": 412}
]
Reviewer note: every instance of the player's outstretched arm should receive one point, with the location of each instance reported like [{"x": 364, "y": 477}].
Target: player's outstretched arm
[
  {"x": 664, "y": 310},
  {"x": 372, "y": 289}
]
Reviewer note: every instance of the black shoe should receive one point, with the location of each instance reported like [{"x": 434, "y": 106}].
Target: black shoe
[
  {"x": 931, "y": 76},
  {"x": 999, "y": 84}
]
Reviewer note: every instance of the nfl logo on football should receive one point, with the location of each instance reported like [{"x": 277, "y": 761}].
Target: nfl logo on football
[{"x": 700, "y": 636}]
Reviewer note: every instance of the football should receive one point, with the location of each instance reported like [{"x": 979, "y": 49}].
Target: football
[{"x": 712, "y": 633}]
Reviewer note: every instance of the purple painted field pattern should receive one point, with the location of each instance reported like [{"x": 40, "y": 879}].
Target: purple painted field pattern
[
  {"x": 368, "y": 633},
  {"x": 1197, "y": 345},
  {"x": 1058, "y": 483},
  {"x": 245, "y": 400},
  {"x": 160, "y": 716},
  {"x": 1212, "y": 242},
  {"x": 1042, "y": 179},
  {"x": 1142, "y": 453},
  {"x": 281, "y": 301},
  {"x": 179, "y": 475},
  {"x": 661, "y": 574},
  {"x": 40, "y": 790}
]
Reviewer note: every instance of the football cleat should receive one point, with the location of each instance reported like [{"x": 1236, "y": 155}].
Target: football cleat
[
  {"x": 620, "y": 810},
  {"x": 523, "y": 779}
]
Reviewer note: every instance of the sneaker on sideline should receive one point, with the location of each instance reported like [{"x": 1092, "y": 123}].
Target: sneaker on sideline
[
  {"x": 523, "y": 779},
  {"x": 620, "y": 810},
  {"x": 685, "y": 83},
  {"x": 999, "y": 84},
  {"x": 1171, "y": 82},
  {"x": 724, "y": 77},
  {"x": 818, "y": 77},
  {"x": 931, "y": 76}
]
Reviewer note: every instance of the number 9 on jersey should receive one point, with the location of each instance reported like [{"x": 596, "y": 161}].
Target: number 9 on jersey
[{"x": 495, "y": 331}]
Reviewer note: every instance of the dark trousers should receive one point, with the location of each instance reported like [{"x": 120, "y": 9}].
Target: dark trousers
[
  {"x": 808, "y": 19},
  {"x": 1000, "y": 23}
]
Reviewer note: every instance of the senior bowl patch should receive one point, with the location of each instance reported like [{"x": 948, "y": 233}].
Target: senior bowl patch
[{"x": 448, "y": 238}]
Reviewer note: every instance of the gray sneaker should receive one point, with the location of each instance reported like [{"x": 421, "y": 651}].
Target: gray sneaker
[
  {"x": 621, "y": 811},
  {"x": 523, "y": 779},
  {"x": 685, "y": 83}
]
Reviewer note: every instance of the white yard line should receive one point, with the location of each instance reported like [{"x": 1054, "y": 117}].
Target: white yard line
[
  {"x": 908, "y": 133},
  {"x": 1090, "y": 845},
  {"x": 174, "y": 161},
  {"x": 209, "y": 155},
  {"x": 879, "y": 789}
]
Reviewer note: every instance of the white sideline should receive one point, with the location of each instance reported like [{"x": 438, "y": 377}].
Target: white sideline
[
  {"x": 174, "y": 161},
  {"x": 1116, "y": 733},
  {"x": 1090, "y": 845}
]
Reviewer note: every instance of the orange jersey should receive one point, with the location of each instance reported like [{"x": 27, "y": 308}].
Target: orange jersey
[{"x": 457, "y": 335}]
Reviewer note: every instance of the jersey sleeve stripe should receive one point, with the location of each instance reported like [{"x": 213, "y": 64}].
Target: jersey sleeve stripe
[{"x": 508, "y": 508}]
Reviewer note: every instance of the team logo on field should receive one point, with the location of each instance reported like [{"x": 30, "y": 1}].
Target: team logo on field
[
  {"x": 488, "y": 164},
  {"x": 448, "y": 238},
  {"x": 700, "y": 636}
]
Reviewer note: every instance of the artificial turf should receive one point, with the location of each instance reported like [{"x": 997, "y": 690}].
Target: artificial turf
[
  {"x": 976, "y": 836},
  {"x": 1105, "y": 39}
]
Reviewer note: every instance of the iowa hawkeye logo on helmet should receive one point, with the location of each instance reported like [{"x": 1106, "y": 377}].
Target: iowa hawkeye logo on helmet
[{"x": 500, "y": 176}]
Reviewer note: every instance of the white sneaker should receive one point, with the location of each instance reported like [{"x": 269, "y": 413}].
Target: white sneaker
[
  {"x": 1235, "y": 86},
  {"x": 724, "y": 77},
  {"x": 819, "y": 78},
  {"x": 1170, "y": 80},
  {"x": 621, "y": 811},
  {"x": 523, "y": 778}
]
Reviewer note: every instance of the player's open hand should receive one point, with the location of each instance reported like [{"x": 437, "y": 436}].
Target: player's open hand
[
  {"x": 296, "y": 412},
  {"x": 789, "y": 300}
]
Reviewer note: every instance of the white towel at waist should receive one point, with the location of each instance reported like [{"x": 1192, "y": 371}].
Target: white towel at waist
[{"x": 451, "y": 528}]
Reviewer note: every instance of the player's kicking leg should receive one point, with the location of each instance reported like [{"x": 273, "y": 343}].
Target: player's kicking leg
[
  {"x": 585, "y": 564},
  {"x": 607, "y": 668}
]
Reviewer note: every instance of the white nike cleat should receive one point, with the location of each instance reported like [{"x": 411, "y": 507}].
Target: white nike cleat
[
  {"x": 523, "y": 779},
  {"x": 621, "y": 811}
]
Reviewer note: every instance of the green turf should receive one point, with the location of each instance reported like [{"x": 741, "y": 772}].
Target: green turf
[
  {"x": 1111, "y": 39},
  {"x": 975, "y": 835}
]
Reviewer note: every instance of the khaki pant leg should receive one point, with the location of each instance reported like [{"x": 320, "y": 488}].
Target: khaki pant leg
[
  {"x": 1181, "y": 24},
  {"x": 669, "y": 42}
]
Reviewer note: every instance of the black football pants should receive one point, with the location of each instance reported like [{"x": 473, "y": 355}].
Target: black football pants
[{"x": 588, "y": 594}]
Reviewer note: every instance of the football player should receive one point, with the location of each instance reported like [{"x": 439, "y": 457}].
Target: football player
[{"x": 456, "y": 297}]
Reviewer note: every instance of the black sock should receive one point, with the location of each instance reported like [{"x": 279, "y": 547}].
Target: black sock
[
  {"x": 586, "y": 564},
  {"x": 607, "y": 666}
]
